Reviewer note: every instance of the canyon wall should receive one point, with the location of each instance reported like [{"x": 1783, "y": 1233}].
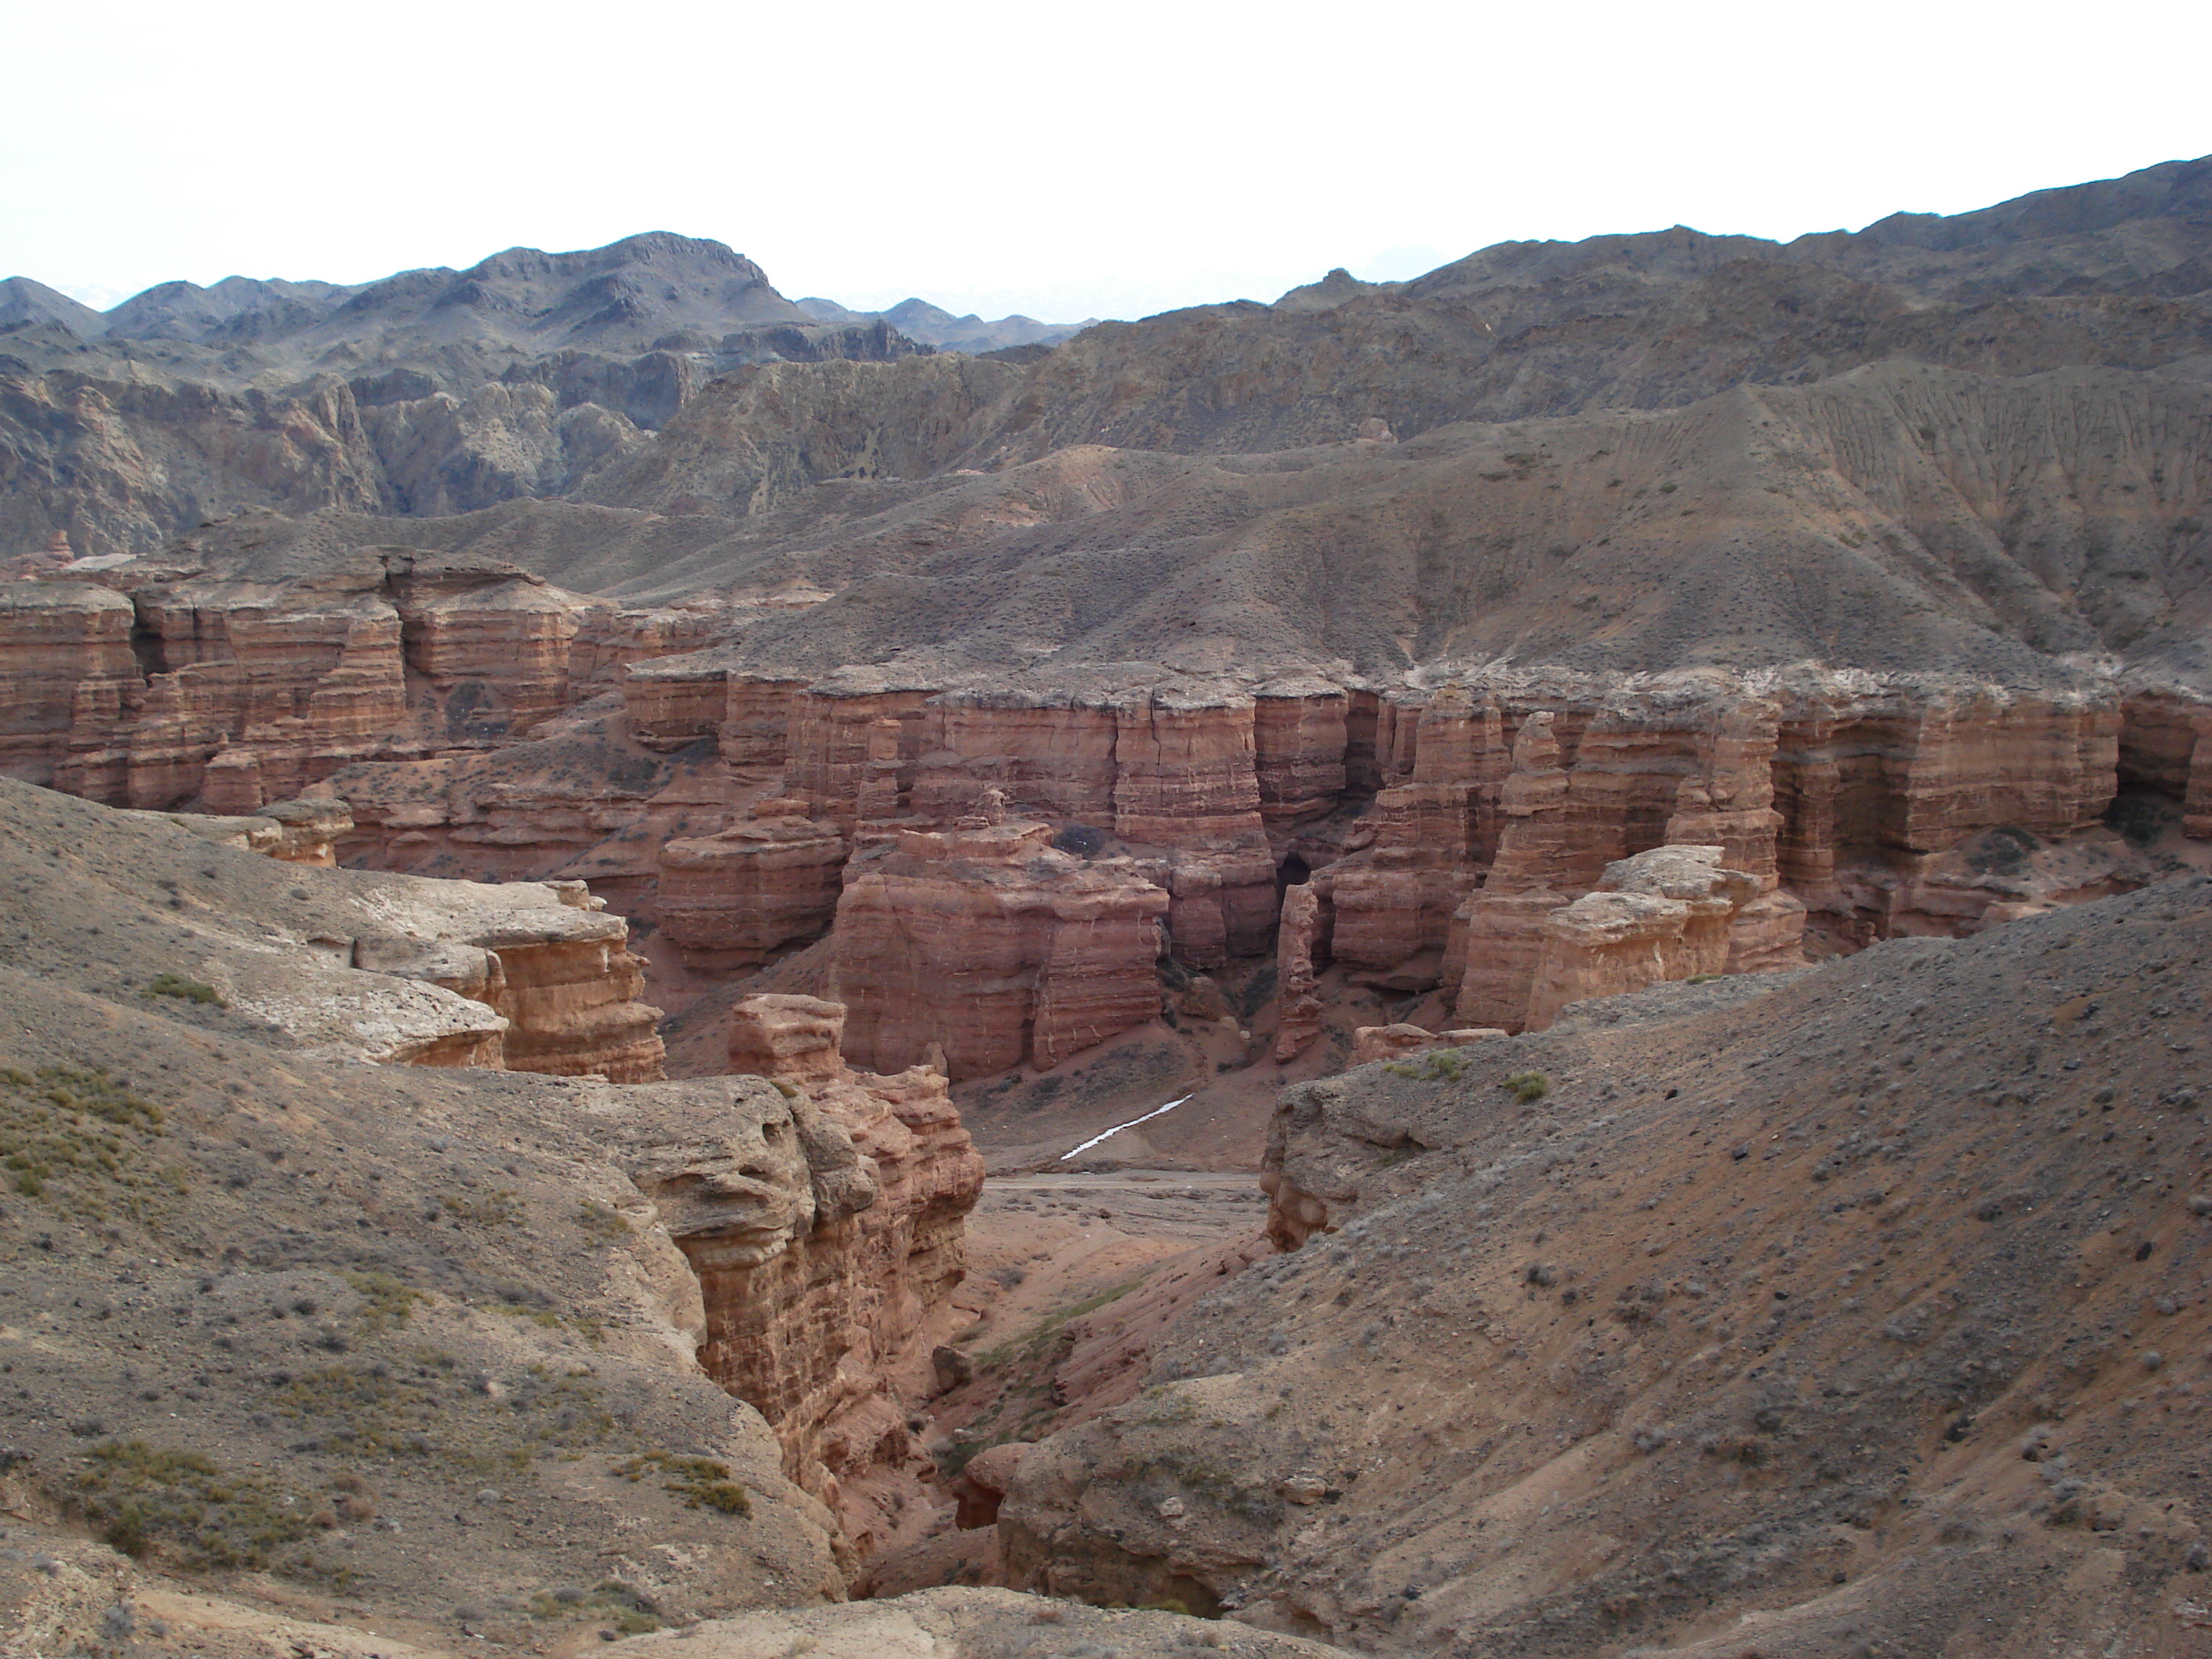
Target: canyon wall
[
  {"x": 944, "y": 837},
  {"x": 460, "y": 709},
  {"x": 162, "y": 686},
  {"x": 992, "y": 946},
  {"x": 824, "y": 1242}
]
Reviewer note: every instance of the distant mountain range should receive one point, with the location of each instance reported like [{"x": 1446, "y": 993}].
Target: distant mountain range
[
  {"x": 667, "y": 374},
  {"x": 918, "y": 319},
  {"x": 651, "y": 292}
]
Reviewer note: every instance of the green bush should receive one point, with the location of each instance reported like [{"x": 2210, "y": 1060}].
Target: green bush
[
  {"x": 372, "y": 1411},
  {"x": 601, "y": 1220},
  {"x": 1437, "y": 1065},
  {"x": 177, "y": 985},
  {"x": 75, "y": 1136},
  {"x": 138, "y": 1498},
  {"x": 701, "y": 1482},
  {"x": 1528, "y": 1087},
  {"x": 630, "y": 1610},
  {"x": 385, "y": 1304},
  {"x": 496, "y": 1208}
]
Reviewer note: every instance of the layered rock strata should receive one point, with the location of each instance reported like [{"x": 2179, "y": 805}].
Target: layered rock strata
[
  {"x": 156, "y": 684},
  {"x": 289, "y": 831},
  {"x": 525, "y": 976},
  {"x": 1661, "y": 915},
  {"x": 994, "y": 945},
  {"x": 733, "y": 899},
  {"x": 1441, "y": 828},
  {"x": 546, "y": 958},
  {"x": 818, "y": 1291},
  {"x": 1440, "y": 819}
]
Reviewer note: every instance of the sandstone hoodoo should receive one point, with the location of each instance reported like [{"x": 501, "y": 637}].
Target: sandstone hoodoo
[{"x": 1565, "y": 898}]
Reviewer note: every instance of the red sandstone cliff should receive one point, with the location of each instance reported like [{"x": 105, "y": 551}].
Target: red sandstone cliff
[{"x": 818, "y": 1295}]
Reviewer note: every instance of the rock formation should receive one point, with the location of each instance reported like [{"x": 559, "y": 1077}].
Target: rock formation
[
  {"x": 1634, "y": 1355},
  {"x": 289, "y": 831},
  {"x": 228, "y": 693},
  {"x": 1665, "y": 915},
  {"x": 994, "y": 945},
  {"x": 524, "y": 976},
  {"x": 817, "y": 1297},
  {"x": 732, "y": 899},
  {"x": 543, "y": 955},
  {"x": 1298, "y": 1018}
]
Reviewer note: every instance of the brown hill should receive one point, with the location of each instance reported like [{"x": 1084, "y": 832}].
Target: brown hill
[
  {"x": 371, "y": 1359},
  {"x": 402, "y": 395},
  {"x": 1899, "y": 517},
  {"x": 1864, "y": 1317}
]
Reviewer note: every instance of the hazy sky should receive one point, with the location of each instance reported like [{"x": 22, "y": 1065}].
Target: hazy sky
[{"x": 1062, "y": 160}]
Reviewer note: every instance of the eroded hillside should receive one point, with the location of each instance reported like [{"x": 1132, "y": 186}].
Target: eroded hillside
[
  {"x": 374, "y": 1358},
  {"x": 1864, "y": 1316}
]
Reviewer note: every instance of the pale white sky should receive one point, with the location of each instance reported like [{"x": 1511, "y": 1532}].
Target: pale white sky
[{"x": 1060, "y": 160}]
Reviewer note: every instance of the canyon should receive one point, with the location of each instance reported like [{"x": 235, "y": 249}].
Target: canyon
[{"x": 657, "y": 933}]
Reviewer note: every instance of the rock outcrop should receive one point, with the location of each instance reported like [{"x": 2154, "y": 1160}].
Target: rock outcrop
[
  {"x": 289, "y": 831},
  {"x": 994, "y": 946},
  {"x": 1298, "y": 942},
  {"x": 524, "y": 976},
  {"x": 159, "y": 684},
  {"x": 733, "y": 899},
  {"x": 1661, "y": 915},
  {"x": 824, "y": 1245},
  {"x": 543, "y": 955}
]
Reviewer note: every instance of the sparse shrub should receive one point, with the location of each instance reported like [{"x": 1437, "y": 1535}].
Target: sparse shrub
[
  {"x": 601, "y": 1220},
  {"x": 1033, "y": 1343},
  {"x": 2139, "y": 818},
  {"x": 701, "y": 1482},
  {"x": 139, "y": 1497},
  {"x": 74, "y": 1135},
  {"x": 1528, "y": 1087},
  {"x": 1079, "y": 839},
  {"x": 496, "y": 1208},
  {"x": 370, "y": 1410},
  {"x": 628, "y": 1608},
  {"x": 186, "y": 989},
  {"x": 1437, "y": 1065},
  {"x": 2003, "y": 850},
  {"x": 385, "y": 1304},
  {"x": 954, "y": 1458},
  {"x": 1256, "y": 993}
]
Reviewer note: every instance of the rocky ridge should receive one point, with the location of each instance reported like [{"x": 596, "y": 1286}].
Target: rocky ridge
[
  {"x": 1860, "y": 1315},
  {"x": 351, "y": 1248}
]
